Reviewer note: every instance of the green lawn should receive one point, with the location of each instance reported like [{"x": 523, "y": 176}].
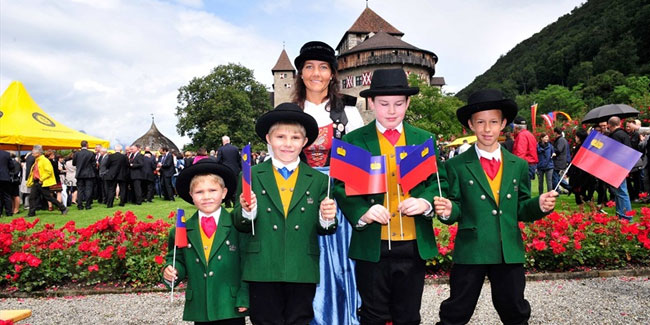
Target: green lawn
[{"x": 160, "y": 209}]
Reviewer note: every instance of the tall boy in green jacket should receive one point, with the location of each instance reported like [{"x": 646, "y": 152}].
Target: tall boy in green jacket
[
  {"x": 289, "y": 209},
  {"x": 489, "y": 193}
]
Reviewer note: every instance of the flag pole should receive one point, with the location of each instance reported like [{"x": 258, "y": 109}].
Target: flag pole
[
  {"x": 562, "y": 177},
  {"x": 387, "y": 203},
  {"x": 171, "y": 295},
  {"x": 252, "y": 220},
  {"x": 399, "y": 201}
]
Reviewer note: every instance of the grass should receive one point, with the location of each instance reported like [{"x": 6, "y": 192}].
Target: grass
[{"x": 160, "y": 209}]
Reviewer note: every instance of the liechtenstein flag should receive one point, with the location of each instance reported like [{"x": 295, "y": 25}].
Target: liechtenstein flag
[
  {"x": 400, "y": 153},
  {"x": 606, "y": 158},
  {"x": 181, "y": 232},
  {"x": 418, "y": 164},
  {"x": 357, "y": 168},
  {"x": 246, "y": 173},
  {"x": 376, "y": 182}
]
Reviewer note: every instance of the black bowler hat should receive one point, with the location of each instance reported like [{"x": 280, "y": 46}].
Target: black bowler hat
[
  {"x": 388, "y": 82},
  {"x": 486, "y": 99},
  {"x": 202, "y": 167},
  {"x": 287, "y": 112},
  {"x": 316, "y": 50}
]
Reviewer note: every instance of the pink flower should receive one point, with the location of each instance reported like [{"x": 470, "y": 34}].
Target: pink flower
[
  {"x": 158, "y": 259},
  {"x": 93, "y": 267}
]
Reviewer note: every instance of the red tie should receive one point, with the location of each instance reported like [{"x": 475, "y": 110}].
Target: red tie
[
  {"x": 491, "y": 166},
  {"x": 208, "y": 225},
  {"x": 392, "y": 136}
]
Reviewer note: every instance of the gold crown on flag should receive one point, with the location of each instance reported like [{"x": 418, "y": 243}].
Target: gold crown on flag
[
  {"x": 340, "y": 151},
  {"x": 245, "y": 157},
  {"x": 597, "y": 143},
  {"x": 375, "y": 166},
  {"x": 402, "y": 155},
  {"x": 425, "y": 152},
  {"x": 183, "y": 219}
]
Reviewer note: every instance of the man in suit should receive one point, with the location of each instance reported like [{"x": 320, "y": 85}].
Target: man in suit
[
  {"x": 390, "y": 265},
  {"x": 117, "y": 166},
  {"x": 85, "y": 162},
  {"x": 489, "y": 193},
  {"x": 101, "y": 173},
  {"x": 166, "y": 163},
  {"x": 136, "y": 173},
  {"x": 228, "y": 155},
  {"x": 6, "y": 200},
  {"x": 148, "y": 167}
]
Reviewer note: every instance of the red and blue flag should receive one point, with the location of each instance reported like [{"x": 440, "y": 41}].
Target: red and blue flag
[
  {"x": 606, "y": 158},
  {"x": 246, "y": 173},
  {"x": 180, "y": 237},
  {"x": 418, "y": 165},
  {"x": 357, "y": 168}
]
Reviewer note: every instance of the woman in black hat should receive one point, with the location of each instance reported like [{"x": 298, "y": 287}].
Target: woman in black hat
[{"x": 317, "y": 92}]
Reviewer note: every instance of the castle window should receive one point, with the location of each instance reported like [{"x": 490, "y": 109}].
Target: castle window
[
  {"x": 358, "y": 80},
  {"x": 372, "y": 53},
  {"x": 287, "y": 85},
  {"x": 283, "y": 75}
]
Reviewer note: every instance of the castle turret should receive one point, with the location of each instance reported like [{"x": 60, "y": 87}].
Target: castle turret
[{"x": 283, "y": 79}]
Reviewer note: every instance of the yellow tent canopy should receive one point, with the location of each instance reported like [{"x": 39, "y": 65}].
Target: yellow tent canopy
[
  {"x": 470, "y": 139},
  {"x": 23, "y": 124}
]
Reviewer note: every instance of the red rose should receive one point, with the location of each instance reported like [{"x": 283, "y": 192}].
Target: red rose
[{"x": 158, "y": 259}]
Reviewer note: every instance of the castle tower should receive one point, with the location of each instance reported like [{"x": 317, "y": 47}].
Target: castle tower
[{"x": 283, "y": 79}]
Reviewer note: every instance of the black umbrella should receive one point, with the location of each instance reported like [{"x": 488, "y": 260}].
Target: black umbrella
[{"x": 603, "y": 113}]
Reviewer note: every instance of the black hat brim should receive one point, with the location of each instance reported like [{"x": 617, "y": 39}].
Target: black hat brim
[
  {"x": 202, "y": 167},
  {"x": 408, "y": 91},
  {"x": 507, "y": 106},
  {"x": 267, "y": 120}
]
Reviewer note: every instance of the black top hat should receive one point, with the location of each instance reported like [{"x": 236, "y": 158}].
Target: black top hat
[
  {"x": 287, "y": 112},
  {"x": 486, "y": 99},
  {"x": 205, "y": 166},
  {"x": 387, "y": 82},
  {"x": 316, "y": 50}
]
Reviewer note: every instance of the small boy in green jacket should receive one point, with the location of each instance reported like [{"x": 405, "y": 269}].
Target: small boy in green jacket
[{"x": 211, "y": 262}]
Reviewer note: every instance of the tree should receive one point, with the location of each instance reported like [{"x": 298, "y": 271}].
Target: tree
[
  {"x": 225, "y": 102},
  {"x": 433, "y": 111}
]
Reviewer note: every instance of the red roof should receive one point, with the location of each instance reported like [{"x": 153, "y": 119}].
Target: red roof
[
  {"x": 283, "y": 64},
  {"x": 370, "y": 22}
]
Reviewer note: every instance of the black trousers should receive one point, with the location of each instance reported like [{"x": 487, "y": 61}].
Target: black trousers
[
  {"x": 38, "y": 191},
  {"x": 230, "y": 321},
  {"x": 111, "y": 186},
  {"x": 137, "y": 190},
  {"x": 507, "y": 282},
  {"x": 99, "y": 190},
  {"x": 391, "y": 289},
  {"x": 279, "y": 303},
  {"x": 85, "y": 192},
  {"x": 6, "y": 199},
  {"x": 166, "y": 187},
  {"x": 148, "y": 190}
]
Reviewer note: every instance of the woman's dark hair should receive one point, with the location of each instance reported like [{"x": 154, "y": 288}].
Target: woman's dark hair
[
  {"x": 202, "y": 152},
  {"x": 333, "y": 92},
  {"x": 582, "y": 135}
]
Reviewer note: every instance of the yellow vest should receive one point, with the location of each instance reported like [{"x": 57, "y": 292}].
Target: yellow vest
[
  {"x": 407, "y": 223},
  {"x": 207, "y": 242},
  {"x": 495, "y": 184},
  {"x": 285, "y": 188}
]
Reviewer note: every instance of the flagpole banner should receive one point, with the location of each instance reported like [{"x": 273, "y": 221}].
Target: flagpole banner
[
  {"x": 246, "y": 173},
  {"x": 605, "y": 158},
  {"x": 418, "y": 165},
  {"x": 533, "y": 115},
  {"x": 180, "y": 236}
]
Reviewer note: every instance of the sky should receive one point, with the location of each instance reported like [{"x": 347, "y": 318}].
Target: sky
[{"x": 105, "y": 66}]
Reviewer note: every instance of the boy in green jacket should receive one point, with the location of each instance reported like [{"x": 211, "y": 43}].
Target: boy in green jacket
[
  {"x": 211, "y": 262},
  {"x": 489, "y": 193},
  {"x": 289, "y": 209}
]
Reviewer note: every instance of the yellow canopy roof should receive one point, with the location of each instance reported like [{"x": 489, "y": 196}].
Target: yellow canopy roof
[
  {"x": 23, "y": 124},
  {"x": 459, "y": 141}
]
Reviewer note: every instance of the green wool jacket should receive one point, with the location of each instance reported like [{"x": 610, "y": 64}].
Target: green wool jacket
[
  {"x": 365, "y": 243},
  {"x": 214, "y": 287},
  {"x": 284, "y": 249},
  {"x": 489, "y": 233}
]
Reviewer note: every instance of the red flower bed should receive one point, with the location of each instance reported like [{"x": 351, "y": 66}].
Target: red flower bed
[
  {"x": 568, "y": 241},
  {"x": 118, "y": 248}
]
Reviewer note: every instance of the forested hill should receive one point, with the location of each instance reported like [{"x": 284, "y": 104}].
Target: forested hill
[{"x": 598, "y": 36}]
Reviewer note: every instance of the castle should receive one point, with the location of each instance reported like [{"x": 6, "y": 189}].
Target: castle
[{"x": 371, "y": 43}]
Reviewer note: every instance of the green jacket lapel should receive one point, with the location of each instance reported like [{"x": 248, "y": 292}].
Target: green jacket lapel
[
  {"x": 412, "y": 136},
  {"x": 223, "y": 229},
  {"x": 267, "y": 181},
  {"x": 474, "y": 166},
  {"x": 194, "y": 236},
  {"x": 303, "y": 182},
  {"x": 370, "y": 138}
]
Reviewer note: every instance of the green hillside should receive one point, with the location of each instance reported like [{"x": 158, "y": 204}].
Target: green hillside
[{"x": 602, "y": 39}]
